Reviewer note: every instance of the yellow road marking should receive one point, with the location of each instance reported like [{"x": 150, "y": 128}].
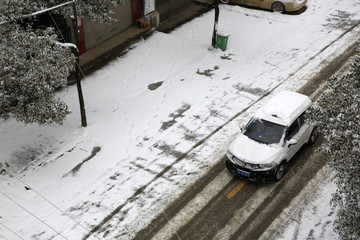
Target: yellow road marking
[{"x": 236, "y": 189}]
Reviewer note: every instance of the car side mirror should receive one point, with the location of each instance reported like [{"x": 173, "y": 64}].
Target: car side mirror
[
  {"x": 292, "y": 142},
  {"x": 241, "y": 127}
]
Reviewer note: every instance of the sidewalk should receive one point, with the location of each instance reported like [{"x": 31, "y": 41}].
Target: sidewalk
[{"x": 101, "y": 54}]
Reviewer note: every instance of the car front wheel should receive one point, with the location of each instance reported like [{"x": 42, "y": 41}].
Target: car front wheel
[
  {"x": 280, "y": 170},
  {"x": 278, "y": 7}
]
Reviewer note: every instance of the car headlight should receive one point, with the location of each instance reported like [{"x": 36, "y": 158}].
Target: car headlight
[
  {"x": 229, "y": 154},
  {"x": 267, "y": 165}
]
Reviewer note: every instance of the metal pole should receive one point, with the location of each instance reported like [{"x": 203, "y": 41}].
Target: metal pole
[
  {"x": 77, "y": 69},
  {"x": 217, "y": 11}
]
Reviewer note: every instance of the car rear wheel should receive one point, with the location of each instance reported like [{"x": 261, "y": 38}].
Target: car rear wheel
[
  {"x": 278, "y": 7},
  {"x": 225, "y": 1},
  {"x": 313, "y": 136},
  {"x": 280, "y": 170}
]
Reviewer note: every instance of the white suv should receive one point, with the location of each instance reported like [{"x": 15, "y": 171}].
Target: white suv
[{"x": 271, "y": 138}]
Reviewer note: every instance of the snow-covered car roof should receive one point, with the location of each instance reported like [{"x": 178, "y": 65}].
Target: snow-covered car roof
[{"x": 284, "y": 107}]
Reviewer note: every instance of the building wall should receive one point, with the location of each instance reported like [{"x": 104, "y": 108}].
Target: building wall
[
  {"x": 126, "y": 14},
  {"x": 166, "y": 8},
  {"x": 96, "y": 33}
]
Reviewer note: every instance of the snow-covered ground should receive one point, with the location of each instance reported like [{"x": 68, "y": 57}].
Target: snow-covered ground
[{"x": 146, "y": 113}]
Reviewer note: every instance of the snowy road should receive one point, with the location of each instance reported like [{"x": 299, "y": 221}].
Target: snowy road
[
  {"x": 237, "y": 210},
  {"x": 155, "y": 118}
]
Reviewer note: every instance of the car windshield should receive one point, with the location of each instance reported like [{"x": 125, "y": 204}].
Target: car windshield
[{"x": 264, "y": 131}]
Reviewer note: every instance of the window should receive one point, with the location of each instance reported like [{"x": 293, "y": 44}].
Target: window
[
  {"x": 302, "y": 119},
  {"x": 292, "y": 130},
  {"x": 263, "y": 131}
]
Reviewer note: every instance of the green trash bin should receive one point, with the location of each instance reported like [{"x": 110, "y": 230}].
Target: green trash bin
[{"x": 221, "y": 41}]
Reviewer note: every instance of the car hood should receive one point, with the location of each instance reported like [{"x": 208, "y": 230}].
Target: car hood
[{"x": 252, "y": 151}]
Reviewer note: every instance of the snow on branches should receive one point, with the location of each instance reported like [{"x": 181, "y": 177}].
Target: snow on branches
[
  {"x": 337, "y": 114},
  {"x": 33, "y": 67},
  {"x": 34, "y": 64},
  {"x": 96, "y": 10}
]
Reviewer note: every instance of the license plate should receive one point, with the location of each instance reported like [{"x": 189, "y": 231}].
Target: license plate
[{"x": 243, "y": 173}]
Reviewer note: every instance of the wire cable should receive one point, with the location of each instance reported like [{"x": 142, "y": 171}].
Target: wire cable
[
  {"x": 48, "y": 201},
  {"x": 32, "y": 214},
  {"x": 3, "y": 237},
  {"x": 10, "y": 231},
  {"x": 169, "y": 223}
]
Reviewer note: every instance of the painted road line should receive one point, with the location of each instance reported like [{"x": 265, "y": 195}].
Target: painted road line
[
  {"x": 236, "y": 189},
  {"x": 194, "y": 206},
  {"x": 241, "y": 215}
]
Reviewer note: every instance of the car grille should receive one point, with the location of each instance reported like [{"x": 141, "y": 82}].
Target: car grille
[{"x": 244, "y": 164}]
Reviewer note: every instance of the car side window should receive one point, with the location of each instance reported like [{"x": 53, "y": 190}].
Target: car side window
[
  {"x": 301, "y": 119},
  {"x": 292, "y": 130}
]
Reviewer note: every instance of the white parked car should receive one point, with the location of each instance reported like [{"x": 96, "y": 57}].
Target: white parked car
[{"x": 271, "y": 138}]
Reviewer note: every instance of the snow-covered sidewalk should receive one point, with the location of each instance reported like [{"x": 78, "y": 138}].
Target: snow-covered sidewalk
[{"x": 148, "y": 111}]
